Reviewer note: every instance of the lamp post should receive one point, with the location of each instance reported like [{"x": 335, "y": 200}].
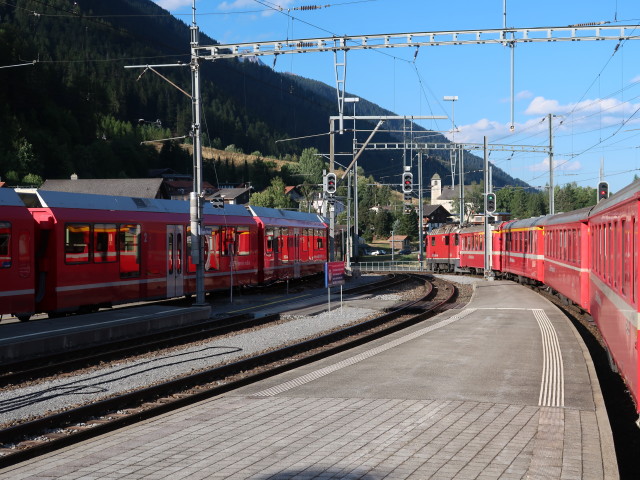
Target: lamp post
[{"x": 354, "y": 245}]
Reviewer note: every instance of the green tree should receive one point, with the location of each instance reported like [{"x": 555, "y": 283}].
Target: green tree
[
  {"x": 32, "y": 179},
  {"x": 273, "y": 196},
  {"x": 407, "y": 225},
  {"x": 309, "y": 170}
]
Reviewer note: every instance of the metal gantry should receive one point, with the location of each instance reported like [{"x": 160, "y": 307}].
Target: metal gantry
[{"x": 499, "y": 36}]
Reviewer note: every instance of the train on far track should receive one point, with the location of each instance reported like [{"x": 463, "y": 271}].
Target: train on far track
[
  {"x": 68, "y": 252},
  {"x": 588, "y": 256}
]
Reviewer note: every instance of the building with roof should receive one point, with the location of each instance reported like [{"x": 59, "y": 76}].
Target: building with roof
[{"x": 119, "y": 187}]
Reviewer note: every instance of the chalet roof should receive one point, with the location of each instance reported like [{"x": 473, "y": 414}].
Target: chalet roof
[
  {"x": 397, "y": 238},
  {"x": 231, "y": 193},
  {"x": 121, "y": 187},
  {"x": 429, "y": 210}
]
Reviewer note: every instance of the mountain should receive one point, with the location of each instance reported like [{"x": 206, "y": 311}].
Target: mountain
[{"x": 73, "y": 107}]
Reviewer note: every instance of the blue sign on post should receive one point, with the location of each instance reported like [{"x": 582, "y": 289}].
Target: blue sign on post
[{"x": 333, "y": 274}]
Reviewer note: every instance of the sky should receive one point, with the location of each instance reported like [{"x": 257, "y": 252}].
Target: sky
[{"x": 592, "y": 88}]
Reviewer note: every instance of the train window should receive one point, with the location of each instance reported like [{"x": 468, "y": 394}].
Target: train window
[
  {"x": 634, "y": 257},
  {"x": 446, "y": 240},
  {"x": 270, "y": 241},
  {"x": 76, "y": 243},
  {"x": 608, "y": 249},
  {"x": 320, "y": 239},
  {"x": 243, "y": 241},
  {"x": 433, "y": 240},
  {"x": 212, "y": 249},
  {"x": 179, "y": 252},
  {"x": 284, "y": 245},
  {"x": 456, "y": 239},
  {"x": 129, "y": 248},
  {"x": 228, "y": 237},
  {"x": 5, "y": 245},
  {"x": 104, "y": 243},
  {"x": 624, "y": 270}
]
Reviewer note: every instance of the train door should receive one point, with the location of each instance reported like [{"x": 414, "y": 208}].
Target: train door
[
  {"x": 297, "y": 252},
  {"x": 175, "y": 260}
]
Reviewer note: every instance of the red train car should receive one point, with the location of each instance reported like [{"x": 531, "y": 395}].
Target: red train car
[
  {"x": 613, "y": 285},
  {"x": 17, "y": 268},
  {"x": 101, "y": 250},
  {"x": 442, "y": 249},
  {"x": 521, "y": 250},
  {"x": 472, "y": 249},
  {"x": 291, "y": 244},
  {"x": 566, "y": 255}
]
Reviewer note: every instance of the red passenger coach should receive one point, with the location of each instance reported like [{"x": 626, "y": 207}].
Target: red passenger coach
[
  {"x": 17, "y": 272},
  {"x": 566, "y": 255},
  {"x": 101, "y": 250},
  {"x": 522, "y": 250},
  {"x": 230, "y": 249},
  {"x": 613, "y": 289},
  {"x": 472, "y": 249},
  {"x": 291, "y": 244}
]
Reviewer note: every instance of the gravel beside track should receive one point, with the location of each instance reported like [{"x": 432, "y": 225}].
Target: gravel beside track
[{"x": 25, "y": 402}]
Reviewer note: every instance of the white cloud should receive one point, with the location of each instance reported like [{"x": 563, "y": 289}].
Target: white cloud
[
  {"x": 559, "y": 165},
  {"x": 476, "y": 132},
  {"x": 173, "y": 4},
  {"x": 585, "y": 108},
  {"x": 524, "y": 94}
]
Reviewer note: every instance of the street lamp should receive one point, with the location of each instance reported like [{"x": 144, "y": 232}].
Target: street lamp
[{"x": 354, "y": 245}]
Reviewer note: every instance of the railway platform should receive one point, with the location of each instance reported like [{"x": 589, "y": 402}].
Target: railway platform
[
  {"x": 503, "y": 388},
  {"x": 38, "y": 338}
]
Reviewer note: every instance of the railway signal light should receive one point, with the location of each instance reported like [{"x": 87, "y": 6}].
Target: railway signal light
[
  {"x": 491, "y": 202},
  {"x": 330, "y": 183},
  {"x": 407, "y": 182},
  {"x": 603, "y": 191}
]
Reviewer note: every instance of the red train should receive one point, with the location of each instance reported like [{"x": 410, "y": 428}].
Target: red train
[
  {"x": 588, "y": 256},
  {"x": 66, "y": 252}
]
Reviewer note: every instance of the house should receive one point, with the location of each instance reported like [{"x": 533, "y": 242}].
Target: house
[
  {"x": 120, "y": 187},
  {"x": 233, "y": 196},
  {"x": 434, "y": 216},
  {"x": 398, "y": 242}
]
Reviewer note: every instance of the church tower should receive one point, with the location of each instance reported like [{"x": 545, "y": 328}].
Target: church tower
[{"x": 436, "y": 188}]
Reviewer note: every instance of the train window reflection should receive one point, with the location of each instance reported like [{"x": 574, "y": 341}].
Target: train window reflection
[
  {"x": 76, "y": 243},
  {"x": 129, "y": 247},
  {"x": 104, "y": 243},
  {"x": 5, "y": 245}
]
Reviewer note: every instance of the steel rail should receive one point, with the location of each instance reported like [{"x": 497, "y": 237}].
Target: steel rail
[
  {"x": 19, "y": 372},
  {"x": 108, "y": 414}
]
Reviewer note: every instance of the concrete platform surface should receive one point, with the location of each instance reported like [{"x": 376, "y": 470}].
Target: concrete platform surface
[{"x": 503, "y": 389}]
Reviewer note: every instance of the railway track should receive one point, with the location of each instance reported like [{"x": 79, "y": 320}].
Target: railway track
[
  {"x": 19, "y": 372},
  {"x": 30, "y": 439}
]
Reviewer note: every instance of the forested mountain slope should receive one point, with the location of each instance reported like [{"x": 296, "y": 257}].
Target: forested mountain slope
[{"x": 74, "y": 108}]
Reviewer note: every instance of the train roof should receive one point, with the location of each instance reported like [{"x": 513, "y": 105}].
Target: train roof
[
  {"x": 52, "y": 199},
  {"x": 446, "y": 228},
  {"x": 525, "y": 223},
  {"x": 579, "y": 215},
  {"x": 9, "y": 198},
  {"x": 289, "y": 215}
]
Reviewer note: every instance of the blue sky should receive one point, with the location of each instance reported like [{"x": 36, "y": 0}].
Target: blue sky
[{"x": 593, "y": 88}]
